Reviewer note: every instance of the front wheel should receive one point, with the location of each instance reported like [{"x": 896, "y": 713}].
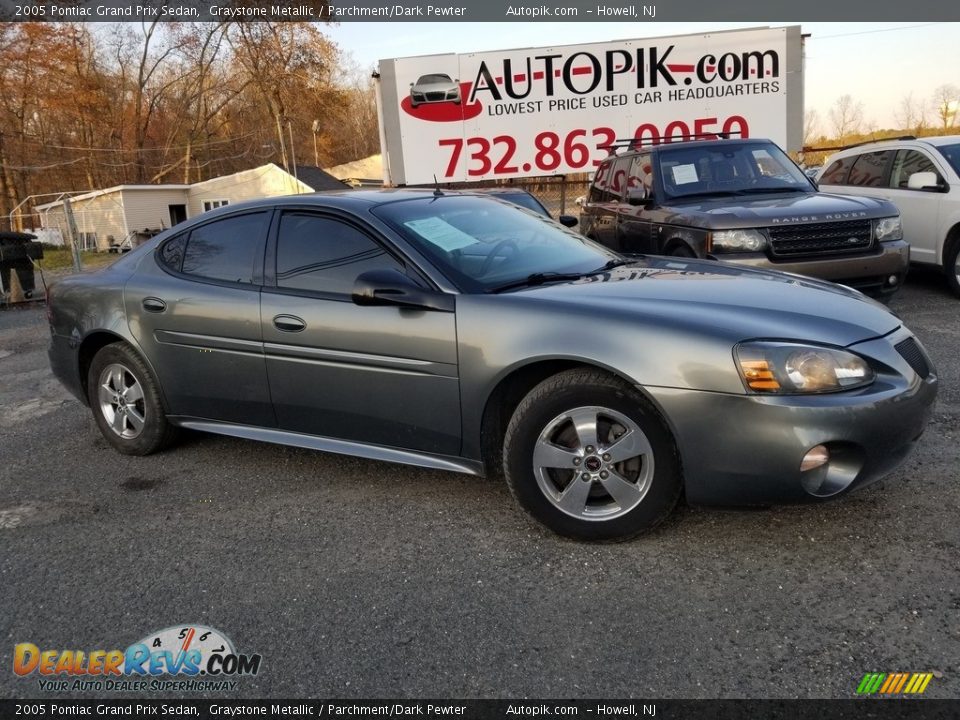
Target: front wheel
[
  {"x": 126, "y": 402},
  {"x": 588, "y": 456},
  {"x": 682, "y": 251}
]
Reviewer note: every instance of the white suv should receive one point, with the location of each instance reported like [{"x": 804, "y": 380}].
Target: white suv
[{"x": 922, "y": 178}]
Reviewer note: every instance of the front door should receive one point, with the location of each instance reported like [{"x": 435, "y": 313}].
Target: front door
[{"x": 380, "y": 375}]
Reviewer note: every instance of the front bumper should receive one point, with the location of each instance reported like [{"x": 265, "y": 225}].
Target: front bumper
[
  {"x": 747, "y": 449},
  {"x": 869, "y": 273}
]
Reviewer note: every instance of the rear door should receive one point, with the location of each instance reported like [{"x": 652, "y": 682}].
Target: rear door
[
  {"x": 381, "y": 375},
  {"x": 634, "y": 229},
  {"x": 604, "y": 201},
  {"x": 196, "y": 313}
]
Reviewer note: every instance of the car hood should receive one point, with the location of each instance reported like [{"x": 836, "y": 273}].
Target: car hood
[
  {"x": 772, "y": 210},
  {"x": 725, "y": 300}
]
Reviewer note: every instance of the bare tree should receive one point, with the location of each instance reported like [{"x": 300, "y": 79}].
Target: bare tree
[
  {"x": 912, "y": 114},
  {"x": 846, "y": 116},
  {"x": 946, "y": 101},
  {"x": 811, "y": 126}
]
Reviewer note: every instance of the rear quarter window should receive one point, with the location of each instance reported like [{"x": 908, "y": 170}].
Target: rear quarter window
[
  {"x": 836, "y": 173},
  {"x": 870, "y": 169}
]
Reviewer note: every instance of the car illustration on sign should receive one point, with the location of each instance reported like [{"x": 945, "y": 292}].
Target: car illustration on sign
[
  {"x": 434, "y": 88},
  {"x": 461, "y": 332}
]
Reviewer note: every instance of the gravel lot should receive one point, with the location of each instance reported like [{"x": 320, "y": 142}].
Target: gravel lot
[{"x": 355, "y": 578}]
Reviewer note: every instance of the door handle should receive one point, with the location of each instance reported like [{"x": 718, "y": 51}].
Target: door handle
[
  {"x": 154, "y": 305},
  {"x": 289, "y": 323}
]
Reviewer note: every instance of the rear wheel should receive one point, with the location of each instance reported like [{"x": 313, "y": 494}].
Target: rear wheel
[
  {"x": 126, "y": 404},
  {"x": 586, "y": 455}
]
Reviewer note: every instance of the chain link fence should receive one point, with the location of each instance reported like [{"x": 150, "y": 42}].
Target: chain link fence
[{"x": 560, "y": 194}]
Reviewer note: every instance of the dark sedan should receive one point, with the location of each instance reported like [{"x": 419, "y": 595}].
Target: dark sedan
[{"x": 463, "y": 333}]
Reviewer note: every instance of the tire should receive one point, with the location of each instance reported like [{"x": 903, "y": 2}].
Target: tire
[
  {"x": 133, "y": 421},
  {"x": 546, "y": 458},
  {"x": 681, "y": 251},
  {"x": 952, "y": 266}
]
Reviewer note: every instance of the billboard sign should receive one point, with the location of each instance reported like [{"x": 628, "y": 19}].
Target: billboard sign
[{"x": 549, "y": 111}]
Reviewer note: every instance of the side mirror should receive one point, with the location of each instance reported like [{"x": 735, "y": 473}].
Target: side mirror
[
  {"x": 568, "y": 220},
  {"x": 392, "y": 287},
  {"x": 923, "y": 181},
  {"x": 637, "y": 195}
]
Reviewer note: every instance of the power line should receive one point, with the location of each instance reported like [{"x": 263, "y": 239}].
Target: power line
[
  {"x": 35, "y": 139},
  {"x": 871, "y": 32}
]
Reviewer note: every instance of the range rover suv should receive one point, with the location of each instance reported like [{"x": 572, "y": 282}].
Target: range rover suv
[{"x": 744, "y": 201}]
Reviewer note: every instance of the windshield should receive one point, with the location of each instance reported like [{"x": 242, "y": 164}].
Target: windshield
[
  {"x": 729, "y": 169},
  {"x": 482, "y": 244},
  {"x": 952, "y": 154},
  {"x": 433, "y": 79},
  {"x": 524, "y": 200}
]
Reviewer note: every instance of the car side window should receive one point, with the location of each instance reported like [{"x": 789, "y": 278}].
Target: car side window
[
  {"x": 909, "y": 162},
  {"x": 836, "y": 174},
  {"x": 226, "y": 249},
  {"x": 869, "y": 169},
  {"x": 600, "y": 190},
  {"x": 641, "y": 173},
  {"x": 324, "y": 254},
  {"x": 619, "y": 177},
  {"x": 170, "y": 253}
]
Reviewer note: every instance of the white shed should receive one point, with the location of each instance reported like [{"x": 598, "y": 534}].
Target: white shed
[{"x": 106, "y": 217}]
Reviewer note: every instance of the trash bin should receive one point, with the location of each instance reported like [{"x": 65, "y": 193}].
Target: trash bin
[{"x": 17, "y": 252}]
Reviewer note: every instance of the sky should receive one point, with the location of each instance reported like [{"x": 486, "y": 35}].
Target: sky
[{"x": 878, "y": 64}]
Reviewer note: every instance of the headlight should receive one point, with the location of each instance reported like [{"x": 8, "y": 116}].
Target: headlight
[
  {"x": 782, "y": 368},
  {"x": 889, "y": 229},
  {"x": 738, "y": 240}
]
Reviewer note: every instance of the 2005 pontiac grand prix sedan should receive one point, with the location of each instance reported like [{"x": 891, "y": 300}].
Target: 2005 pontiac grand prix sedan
[{"x": 467, "y": 334}]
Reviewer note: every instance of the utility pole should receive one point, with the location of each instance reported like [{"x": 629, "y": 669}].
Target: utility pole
[{"x": 72, "y": 234}]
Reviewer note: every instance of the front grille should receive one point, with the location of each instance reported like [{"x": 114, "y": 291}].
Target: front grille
[
  {"x": 911, "y": 351},
  {"x": 435, "y": 96},
  {"x": 833, "y": 238}
]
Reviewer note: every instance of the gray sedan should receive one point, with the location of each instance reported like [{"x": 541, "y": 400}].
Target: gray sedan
[{"x": 467, "y": 334}]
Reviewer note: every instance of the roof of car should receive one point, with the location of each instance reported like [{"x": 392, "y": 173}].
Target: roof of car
[
  {"x": 706, "y": 142},
  {"x": 941, "y": 139},
  {"x": 497, "y": 191},
  {"x": 346, "y": 199},
  {"x": 935, "y": 140}
]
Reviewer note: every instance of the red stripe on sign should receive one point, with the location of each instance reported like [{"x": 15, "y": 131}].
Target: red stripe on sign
[
  {"x": 499, "y": 80},
  {"x": 681, "y": 68},
  {"x": 519, "y": 78},
  {"x": 582, "y": 70},
  {"x": 539, "y": 75}
]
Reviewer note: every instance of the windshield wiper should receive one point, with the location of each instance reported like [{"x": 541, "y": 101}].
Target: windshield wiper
[
  {"x": 708, "y": 193},
  {"x": 541, "y": 278},
  {"x": 610, "y": 265},
  {"x": 765, "y": 190},
  {"x": 538, "y": 278}
]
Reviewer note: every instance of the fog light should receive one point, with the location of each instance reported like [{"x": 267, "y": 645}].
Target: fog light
[
  {"x": 892, "y": 280},
  {"x": 814, "y": 458}
]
